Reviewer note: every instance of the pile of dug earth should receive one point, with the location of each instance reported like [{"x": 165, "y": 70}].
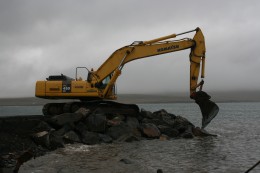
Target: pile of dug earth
[{"x": 23, "y": 138}]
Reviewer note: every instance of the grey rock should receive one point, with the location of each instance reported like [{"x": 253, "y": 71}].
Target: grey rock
[
  {"x": 126, "y": 161},
  {"x": 83, "y": 111},
  {"x": 155, "y": 121},
  {"x": 187, "y": 133},
  {"x": 63, "y": 130},
  {"x": 182, "y": 124},
  {"x": 132, "y": 122},
  {"x": 117, "y": 131},
  {"x": 55, "y": 141},
  {"x": 80, "y": 128},
  {"x": 159, "y": 114},
  {"x": 42, "y": 138},
  {"x": 42, "y": 126},
  {"x": 66, "y": 118},
  {"x": 169, "y": 131},
  {"x": 150, "y": 130},
  {"x": 127, "y": 138},
  {"x": 87, "y": 137},
  {"x": 105, "y": 138},
  {"x": 90, "y": 138},
  {"x": 146, "y": 114},
  {"x": 96, "y": 123},
  {"x": 71, "y": 137}
]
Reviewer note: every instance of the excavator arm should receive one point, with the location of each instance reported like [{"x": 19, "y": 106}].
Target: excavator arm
[
  {"x": 114, "y": 64},
  {"x": 143, "y": 49}
]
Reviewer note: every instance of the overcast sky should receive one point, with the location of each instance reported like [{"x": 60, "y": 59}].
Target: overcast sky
[{"x": 42, "y": 38}]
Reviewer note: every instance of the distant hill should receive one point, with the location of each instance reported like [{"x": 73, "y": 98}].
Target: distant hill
[{"x": 231, "y": 96}]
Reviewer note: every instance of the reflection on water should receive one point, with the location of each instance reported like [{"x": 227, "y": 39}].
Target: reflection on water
[{"x": 179, "y": 155}]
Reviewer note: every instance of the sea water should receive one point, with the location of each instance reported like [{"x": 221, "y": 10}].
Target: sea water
[{"x": 235, "y": 149}]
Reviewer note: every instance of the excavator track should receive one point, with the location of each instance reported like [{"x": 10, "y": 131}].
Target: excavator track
[
  {"x": 51, "y": 109},
  {"x": 108, "y": 107}
]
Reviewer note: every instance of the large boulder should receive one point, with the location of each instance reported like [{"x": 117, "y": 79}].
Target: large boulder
[
  {"x": 146, "y": 114},
  {"x": 187, "y": 133},
  {"x": 132, "y": 122},
  {"x": 48, "y": 140},
  {"x": 55, "y": 141},
  {"x": 165, "y": 117},
  {"x": 42, "y": 138},
  {"x": 150, "y": 130},
  {"x": 64, "y": 129},
  {"x": 105, "y": 138},
  {"x": 66, "y": 118},
  {"x": 87, "y": 137},
  {"x": 90, "y": 138},
  {"x": 182, "y": 124},
  {"x": 119, "y": 130},
  {"x": 71, "y": 137},
  {"x": 96, "y": 123},
  {"x": 42, "y": 126},
  {"x": 169, "y": 131}
]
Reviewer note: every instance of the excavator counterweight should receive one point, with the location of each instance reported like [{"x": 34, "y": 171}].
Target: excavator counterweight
[{"x": 100, "y": 84}]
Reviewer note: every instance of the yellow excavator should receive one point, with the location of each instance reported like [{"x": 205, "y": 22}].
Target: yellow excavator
[{"x": 99, "y": 87}]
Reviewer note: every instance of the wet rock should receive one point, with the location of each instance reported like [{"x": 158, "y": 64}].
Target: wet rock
[
  {"x": 150, "y": 130},
  {"x": 115, "y": 119},
  {"x": 66, "y": 118},
  {"x": 96, "y": 123},
  {"x": 71, "y": 137},
  {"x": 119, "y": 130},
  {"x": 159, "y": 171},
  {"x": 164, "y": 137},
  {"x": 90, "y": 138},
  {"x": 182, "y": 124},
  {"x": 42, "y": 126},
  {"x": 132, "y": 122},
  {"x": 86, "y": 136},
  {"x": 127, "y": 138},
  {"x": 63, "y": 130},
  {"x": 80, "y": 127},
  {"x": 146, "y": 114},
  {"x": 126, "y": 161},
  {"x": 162, "y": 114},
  {"x": 55, "y": 141},
  {"x": 48, "y": 140},
  {"x": 154, "y": 121},
  {"x": 169, "y": 131},
  {"x": 92, "y": 128},
  {"x": 187, "y": 133},
  {"x": 41, "y": 138},
  {"x": 83, "y": 111},
  {"x": 105, "y": 138}
]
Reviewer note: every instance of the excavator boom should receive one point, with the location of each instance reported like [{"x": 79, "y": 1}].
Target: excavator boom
[{"x": 100, "y": 84}]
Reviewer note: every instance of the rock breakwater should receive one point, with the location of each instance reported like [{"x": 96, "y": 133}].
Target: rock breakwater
[{"x": 24, "y": 138}]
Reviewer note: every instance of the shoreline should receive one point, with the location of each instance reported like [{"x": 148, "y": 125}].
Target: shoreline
[{"x": 143, "y": 99}]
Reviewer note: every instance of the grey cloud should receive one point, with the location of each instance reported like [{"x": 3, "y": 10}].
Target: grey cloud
[{"x": 40, "y": 38}]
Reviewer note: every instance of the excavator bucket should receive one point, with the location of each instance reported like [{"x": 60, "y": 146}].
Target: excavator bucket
[{"x": 208, "y": 108}]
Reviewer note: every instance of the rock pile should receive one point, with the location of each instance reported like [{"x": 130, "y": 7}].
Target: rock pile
[
  {"x": 93, "y": 127},
  {"x": 97, "y": 127}
]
